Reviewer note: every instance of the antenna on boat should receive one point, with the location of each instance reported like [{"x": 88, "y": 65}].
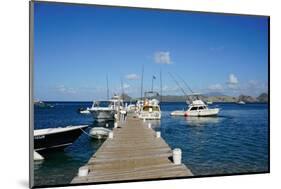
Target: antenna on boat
[
  {"x": 153, "y": 77},
  {"x": 142, "y": 81},
  {"x": 122, "y": 88},
  {"x": 107, "y": 87}
]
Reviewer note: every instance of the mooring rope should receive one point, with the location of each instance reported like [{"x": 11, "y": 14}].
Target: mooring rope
[{"x": 86, "y": 133}]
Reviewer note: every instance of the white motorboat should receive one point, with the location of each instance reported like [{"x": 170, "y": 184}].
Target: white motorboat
[
  {"x": 150, "y": 110},
  {"x": 99, "y": 132},
  {"x": 105, "y": 110},
  {"x": 103, "y": 113},
  {"x": 87, "y": 110},
  {"x": 197, "y": 108},
  {"x": 84, "y": 111},
  {"x": 241, "y": 102}
]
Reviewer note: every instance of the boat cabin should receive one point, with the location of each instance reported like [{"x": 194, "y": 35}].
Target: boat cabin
[{"x": 150, "y": 109}]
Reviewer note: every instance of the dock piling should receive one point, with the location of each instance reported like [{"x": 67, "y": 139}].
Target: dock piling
[
  {"x": 110, "y": 135},
  {"x": 83, "y": 171},
  {"x": 158, "y": 134},
  {"x": 177, "y": 156}
]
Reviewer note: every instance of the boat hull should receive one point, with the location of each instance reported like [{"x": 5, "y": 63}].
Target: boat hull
[
  {"x": 103, "y": 115},
  {"x": 197, "y": 113},
  {"x": 58, "y": 140}
]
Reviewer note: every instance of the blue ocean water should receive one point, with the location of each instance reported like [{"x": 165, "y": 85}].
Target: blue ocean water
[{"x": 234, "y": 142}]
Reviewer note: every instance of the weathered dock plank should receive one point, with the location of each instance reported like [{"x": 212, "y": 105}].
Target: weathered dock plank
[{"x": 133, "y": 153}]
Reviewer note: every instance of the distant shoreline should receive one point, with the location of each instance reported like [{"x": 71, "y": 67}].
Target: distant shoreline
[{"x": 262, "y": 98}]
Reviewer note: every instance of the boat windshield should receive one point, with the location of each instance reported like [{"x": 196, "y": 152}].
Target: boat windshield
[
  {"x": 198, "y": 108},
  {"x": 201, "y": 107},
  {"x": 101, "y": 104},
  {"x": 154, "y": 108}
]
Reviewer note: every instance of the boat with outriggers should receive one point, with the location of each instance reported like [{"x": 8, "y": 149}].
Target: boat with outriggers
[{"x": 197, "y": 108}]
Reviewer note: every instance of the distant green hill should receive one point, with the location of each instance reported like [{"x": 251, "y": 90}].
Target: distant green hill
[{"x": 263, "y": 98}]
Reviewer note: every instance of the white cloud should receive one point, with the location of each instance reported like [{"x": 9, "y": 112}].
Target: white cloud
[
  {"x": 162, "y": 57},
  {"x": 132, "y": 77},
  {"x": 232, "y": 82},
  {"x": 232, "y": 79},
  {"x": 66, "y": 90},
  {"x": 216, "y": 87}
]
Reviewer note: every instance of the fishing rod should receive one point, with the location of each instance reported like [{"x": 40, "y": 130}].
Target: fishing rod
[
  {"x": 186, "y": 85},
  {"x": 177, "y": 83}
]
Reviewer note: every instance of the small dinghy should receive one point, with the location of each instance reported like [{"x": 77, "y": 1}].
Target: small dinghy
[
  {"x": 84, "y": 110},
  {"x": 241, "y": 102},
  {"x": 99, "y": 132}
]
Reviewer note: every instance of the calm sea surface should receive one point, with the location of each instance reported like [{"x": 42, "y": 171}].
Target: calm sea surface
[{"x": 234, "y": 142}]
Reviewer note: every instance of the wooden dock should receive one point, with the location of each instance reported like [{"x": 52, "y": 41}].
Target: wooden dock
[{"x": 134, "y": 153}]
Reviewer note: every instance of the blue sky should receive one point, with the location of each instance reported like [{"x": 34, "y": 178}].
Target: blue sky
[{"x": 76, "y": 46}]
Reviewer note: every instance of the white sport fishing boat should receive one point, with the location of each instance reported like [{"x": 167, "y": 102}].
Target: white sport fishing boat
[
  {"x": 197, "y": 109},
  {"x": 150, "y": 110},
  {"x": 105, "y": 110}
]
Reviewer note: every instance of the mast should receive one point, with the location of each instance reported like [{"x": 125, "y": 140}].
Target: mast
[
  {"x": 107, "y": 87},
  {"x": 142, "y": 81},
  {"x": 160, "y": 85},
  {"x": 122, "y": 88},
  {"x": 152, "y": 83}
]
